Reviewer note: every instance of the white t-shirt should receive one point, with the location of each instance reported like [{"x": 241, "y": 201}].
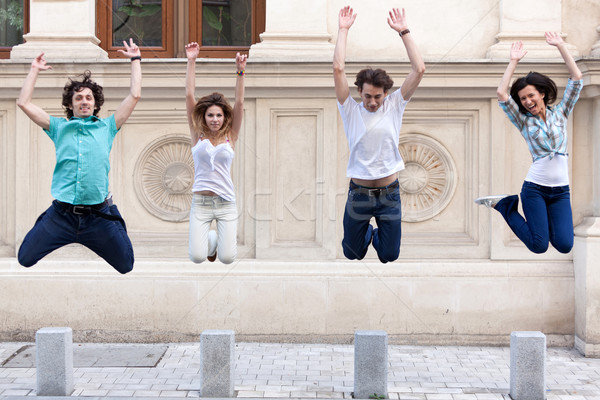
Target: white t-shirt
[
  {"x": 212, "y": 167},
  {"x": 373, "y": 137}
]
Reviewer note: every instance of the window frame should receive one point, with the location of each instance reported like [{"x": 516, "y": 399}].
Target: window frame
[
  {"x": 104, "y": 31},
  {"x": 173, "y": 30},
  {"x": 195, "y": 30},
  {"x": 5, "y": 51}
]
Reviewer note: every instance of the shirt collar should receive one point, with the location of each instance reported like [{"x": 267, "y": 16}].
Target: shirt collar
[{"x": 86, "y": 119}]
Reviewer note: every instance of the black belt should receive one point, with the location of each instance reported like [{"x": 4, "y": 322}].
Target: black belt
[
  {"x": 87, "y": 209},
  {"x": 373, "y": 191}
]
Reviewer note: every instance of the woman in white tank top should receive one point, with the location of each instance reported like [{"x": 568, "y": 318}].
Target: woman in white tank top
[{"x": 214, "y": 129}]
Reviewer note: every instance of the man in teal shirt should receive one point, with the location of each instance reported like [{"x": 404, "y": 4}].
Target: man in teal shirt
[{"x": 83, "y": 211}]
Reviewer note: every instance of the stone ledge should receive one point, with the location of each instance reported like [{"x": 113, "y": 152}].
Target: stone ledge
[{"x": 9, "y": 267}]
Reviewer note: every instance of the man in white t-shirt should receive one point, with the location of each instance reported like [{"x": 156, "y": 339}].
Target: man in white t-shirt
[{"x": 372, "y": 129}]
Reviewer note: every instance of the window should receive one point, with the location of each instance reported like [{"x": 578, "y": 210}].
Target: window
[
  {"x": 163, "y": 27},
  {"x": 148, "y": 22},
  {"x": 14, "y": 18}
]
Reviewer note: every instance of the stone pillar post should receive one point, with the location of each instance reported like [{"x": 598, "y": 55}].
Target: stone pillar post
[
  {"x": 217, "y": 363},
  {"x": 370, "y": 364},
  {"x": 62, "y": 29},
  {"x": 518, "y": 18},
  {"x": 54, "y": 361},
  {"x": 292, "y": 33},
  {"x": 586, "y": 253},
  {"x": 527, "y": 366}
]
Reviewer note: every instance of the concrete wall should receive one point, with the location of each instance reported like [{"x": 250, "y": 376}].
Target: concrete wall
[{"x": 462, "y": 276}]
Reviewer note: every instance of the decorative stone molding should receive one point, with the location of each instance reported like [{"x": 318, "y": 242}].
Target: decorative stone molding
[
  {"x": 428, "y": 181},
  {"x": 303, "y": 37},
  {"x": 515, "y": 25},
  {"x": 49, "y": 33},
  {"x": 534, "y": 43},
  {"x": 596, "y": 47},
  {"x": 164, "y": 176}
]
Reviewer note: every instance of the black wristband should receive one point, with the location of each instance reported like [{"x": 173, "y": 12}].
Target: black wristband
[
  {"x": 136, "y": 58},
  {"x": 404, "y": 32}
]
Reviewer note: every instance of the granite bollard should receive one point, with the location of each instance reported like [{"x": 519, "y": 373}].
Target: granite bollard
[
  {"x": 54, "y": 361},
  {"x": 370, "y": 364},
  {"x": 217, "y": 363},
  {"x": 527, "y": 365}
]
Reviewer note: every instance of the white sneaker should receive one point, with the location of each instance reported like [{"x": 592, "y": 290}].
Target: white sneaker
[
  {"x": 490, "y": 201},
  {"x": 212, "y": 246}
]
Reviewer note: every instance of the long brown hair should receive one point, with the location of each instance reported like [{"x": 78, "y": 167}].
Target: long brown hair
[{"x": 213, "y": 99}]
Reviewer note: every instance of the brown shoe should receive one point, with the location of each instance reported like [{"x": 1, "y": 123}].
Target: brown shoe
[{"x": 212, "y": 245}]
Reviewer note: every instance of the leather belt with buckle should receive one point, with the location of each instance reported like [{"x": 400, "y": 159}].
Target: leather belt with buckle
[{"x": 373, "y": 191}]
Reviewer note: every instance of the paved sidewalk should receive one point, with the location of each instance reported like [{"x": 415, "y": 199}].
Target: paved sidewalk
[{"x": 265, "y": 370}]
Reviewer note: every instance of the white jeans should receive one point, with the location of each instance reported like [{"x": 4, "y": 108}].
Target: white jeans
[{"x": 204, "y": 210}]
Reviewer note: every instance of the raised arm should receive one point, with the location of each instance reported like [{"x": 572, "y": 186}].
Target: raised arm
[
  {"x": 135, "y": 92},
  {"x": 517, "y": 52},
  {"x": 346, "y": 19},
  {"x": 191, "y": 51},
  {"x": 238, "y": 106},
  {"x": 554, "y": 39},
  {"x": 397, "y": 21},
  {"x": 35, "y": 113}
]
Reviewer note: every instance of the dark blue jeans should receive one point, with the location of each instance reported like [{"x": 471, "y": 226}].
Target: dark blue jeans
[
  {"x": 548, "y": 217},
  {"x": 57, "y": 227},
  {"x": 358, "y": 232}
]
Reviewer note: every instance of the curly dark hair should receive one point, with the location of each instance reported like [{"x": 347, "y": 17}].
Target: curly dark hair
[
  {"x": 203, "y": 104},
  {"x": 74, "y": 86},
  {"x": 376, "y": 77},
  {"x": 542, "y": 83}
]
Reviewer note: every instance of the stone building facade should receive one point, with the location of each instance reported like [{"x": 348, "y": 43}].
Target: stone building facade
[{"x": 462, "y": 276}]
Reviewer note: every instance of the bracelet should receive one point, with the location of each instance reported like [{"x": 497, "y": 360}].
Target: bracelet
[
  {"x": 136, "y": 58},
  {"x": 404, "y": 32},
  {"x": 240, "y": 73}
]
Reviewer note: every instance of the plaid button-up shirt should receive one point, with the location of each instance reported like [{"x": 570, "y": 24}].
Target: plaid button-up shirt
[{"x": 550, "y": 137}]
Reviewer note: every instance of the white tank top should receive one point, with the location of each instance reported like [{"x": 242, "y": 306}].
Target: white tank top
[
  {"x": 549, "y": 171},
  {"x": 212, "y": 165}
]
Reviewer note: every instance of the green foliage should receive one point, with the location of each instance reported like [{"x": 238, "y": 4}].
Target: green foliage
[
  {"x": 376, "y": 396},
  {"x": 13, "y": 14},
  {"x": 140, "y": 10},
  {"x": 212, "y": 19}
]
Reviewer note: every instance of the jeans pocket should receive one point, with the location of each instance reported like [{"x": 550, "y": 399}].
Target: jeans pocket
[
  {"x": 356, "y": 197},
  {"x": 393, "y": 196}
]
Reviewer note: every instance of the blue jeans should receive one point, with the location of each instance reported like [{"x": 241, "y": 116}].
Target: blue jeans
[
  {"x": 358, "y": 232},
  {"x": 57, "y": 227},
  {"x": 548, "y": 217}
]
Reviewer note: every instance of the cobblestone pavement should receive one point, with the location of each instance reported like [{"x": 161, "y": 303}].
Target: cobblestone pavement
[{"x": 267, "y": 370}]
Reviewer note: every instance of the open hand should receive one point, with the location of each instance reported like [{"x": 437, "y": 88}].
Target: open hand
[
  {"x": 346, "y": 17},
  {"x": 397, "y": 20},
  {"x": 517, "y": 51},
  {"x": 553, "y": 38}
]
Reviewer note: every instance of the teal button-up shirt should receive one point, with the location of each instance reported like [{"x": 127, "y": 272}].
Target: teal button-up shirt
[{"x": 82, "y": 158}]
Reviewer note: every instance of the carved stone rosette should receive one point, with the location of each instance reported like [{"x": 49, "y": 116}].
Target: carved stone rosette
[
  {"x": 428, "y": 181},
  {"x": 164, "y": 176}
]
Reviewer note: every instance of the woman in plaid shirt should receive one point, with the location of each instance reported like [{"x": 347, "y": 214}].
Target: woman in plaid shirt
[{"x": 545, "y": 193}]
